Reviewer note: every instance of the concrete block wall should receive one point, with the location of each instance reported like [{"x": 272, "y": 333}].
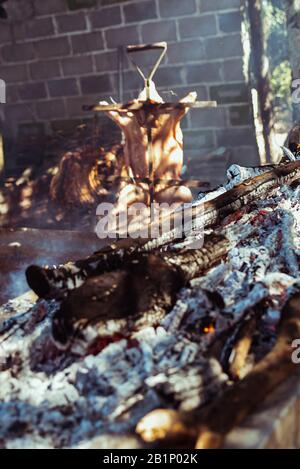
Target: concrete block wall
[{"x": 55, "y": 59}]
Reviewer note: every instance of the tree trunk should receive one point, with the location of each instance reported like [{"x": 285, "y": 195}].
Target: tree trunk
[
  {"x": 260, "y": 67},
  {"x": 292, "y": 9}
]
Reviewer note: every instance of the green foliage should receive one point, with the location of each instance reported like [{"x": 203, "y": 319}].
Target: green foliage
[
  {"x": 274, "y": 17},
  {"x": 281, "y": 82}
]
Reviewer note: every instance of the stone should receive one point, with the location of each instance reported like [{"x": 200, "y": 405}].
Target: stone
[
  {"x": 229, "y": 93},
  {"x": 230, "y": 22},
  {"x": 170, "y": 8},
  {"x": 44, "y": 69},
  {"x": 140, "y": 11},
  {"x": 94, "y": 84},
  {"x": 125, "y": 35},
  {"x": 105, "y": 17},
  {"x": 53, "y": 47},
  {"x": 84, "y": 43},
  {"x": 69, "y": 23},
  {"x": 63, "y": 87},
  {"x": 198, "y": 26}
]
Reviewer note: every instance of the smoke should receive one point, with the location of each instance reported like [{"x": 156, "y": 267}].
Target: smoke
[{"x": 17, "y": 284}]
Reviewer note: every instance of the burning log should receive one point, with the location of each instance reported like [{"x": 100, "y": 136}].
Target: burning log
[
  {"x": 214, "y": 211},
  {"x": 135, "y": 371},
  {"x": 241, "y": 348},
  {"x": 239, "y": 401},
  {"x": 47, "y": 282},
  {"x": 232, "y": 406},
  {"x": 71, "y": 275},
  {"x": 293, "y": 139},
  {"x": 142, "y": 292},
  {"x": 168, "y": 426}
]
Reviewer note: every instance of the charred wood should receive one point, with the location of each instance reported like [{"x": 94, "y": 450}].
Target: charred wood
[
  {"x": 214, "y": 211},
  {"x": 231, "y": 407},
  {"x": 243, "y": 398},
  {"x": 71, "y": 275},
  {"x": 241, "y": 348},
  {"x": 47, "y": 282},
  {"x": 142, "y": 291}
]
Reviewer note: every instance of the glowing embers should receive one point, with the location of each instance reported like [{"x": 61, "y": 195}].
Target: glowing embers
[{"x": 209, "y": 329}]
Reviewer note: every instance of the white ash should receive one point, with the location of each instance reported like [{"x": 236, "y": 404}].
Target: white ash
[
  {"x": 63, "y": 403},
  {"x": 235, "y": 175},
  {"x": 50, "y": 398}
]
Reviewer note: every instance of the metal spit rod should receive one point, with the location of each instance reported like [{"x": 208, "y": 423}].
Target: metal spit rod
[{"x": 147, "y": 81}]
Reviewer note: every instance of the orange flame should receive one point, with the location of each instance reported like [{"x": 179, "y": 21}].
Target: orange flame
[{"x": 209, "y": 329}]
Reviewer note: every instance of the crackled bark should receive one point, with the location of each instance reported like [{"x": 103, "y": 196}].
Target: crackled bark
[{"x": 73, "y": 274}]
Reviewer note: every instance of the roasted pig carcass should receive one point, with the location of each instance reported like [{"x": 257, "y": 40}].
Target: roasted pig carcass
[{"x": 166, "y": 154}]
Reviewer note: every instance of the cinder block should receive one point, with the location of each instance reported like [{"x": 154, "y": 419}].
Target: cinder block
[
  {"x": 198, "y": 26},
  {"x": 83, "y": 43},
  {"x": 105, "y": 17},
  {"x": 222, "y": 47},
  {"x": 240, "y": 115},
  {"x": 79, "y": 65},
  {"x": 52, "y": 109},
  {"x": 203, "y": 73},
  {"x": 122, "y": 36},
  {"x": 172, "y": 8},
  {"x": 234, "y": 137},
  {"x": 181, "y": 91},
  {"x": 245, "y": 156},
  {"x": 12, "y": 94},
  {"x": 132, "y": 81},
  {"x": 208, "y": 118},
  {"x": 159, "y": 31},
  {"x": 32, "y": 91},
  {"x": 231, "y": 93},
  {"x": 71, "y": 22},
  {"x": 43, "y": 7},
  {"x": 63, "y": 87},
  {"x": 140, "y": 11},
  {"x": 195, "y": 139},
  {"x": 5, "y": 33},
  {"x": 230, "y": 22},
  {"x": 169, "y": 76},
  {"x": 95, "y": 84},
  {"x": 19, "y": 112},
  {"x": 44, "y": 69},
  {"x": 215, "y": 5},
  {"x": 187, "y": 51},
  {"x": 40, "y": 27},
  {"x": 54, "y": 47},
  {"x": 78, "y": 4},
  {"x": 232, "y": 70},
  {"x": 14, "y": 73},
  {"x": 74, "y": 105},
  {"x": 106, "y": 61},
  {"x": 18, "y": 52}
]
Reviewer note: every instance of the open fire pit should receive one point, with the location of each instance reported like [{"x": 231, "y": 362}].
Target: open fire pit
[{"x": 207, "y": 338}]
